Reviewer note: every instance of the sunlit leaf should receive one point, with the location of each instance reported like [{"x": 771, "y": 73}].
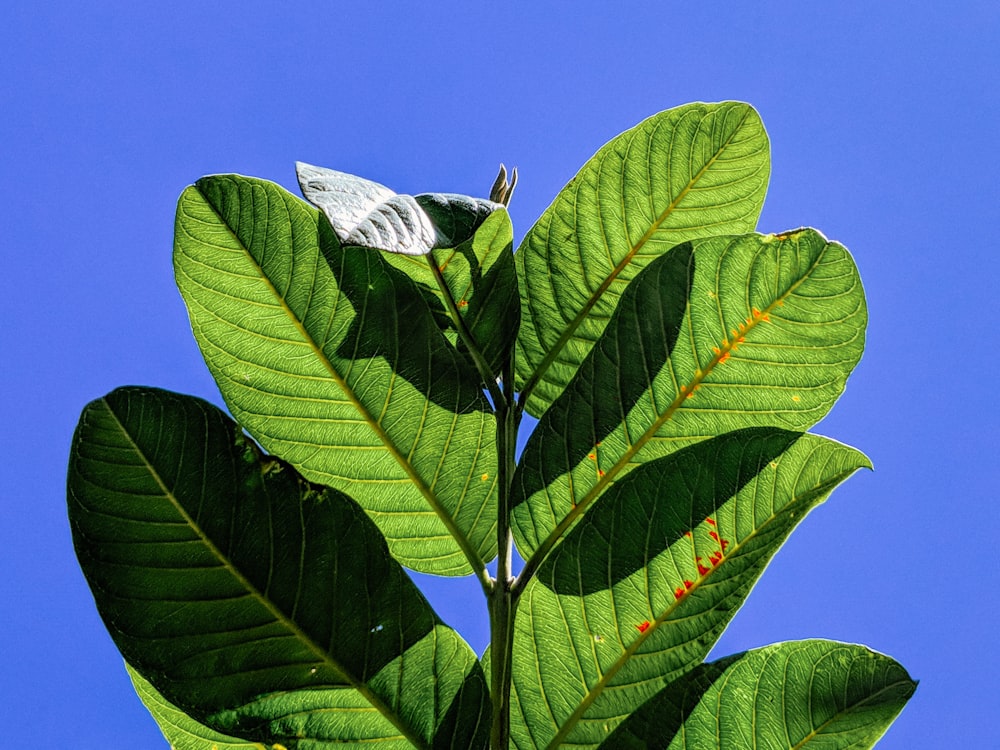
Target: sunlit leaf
[
  {"x": 801, "y": 694},
  {"x": 265, "y": 607},
  {"x": 694, "y": 171},
  {"x": 179, "y": 729},
  {"x": 641, "y": 588},
  {"x": 367, "y": 214},
  {"x": 332, "y": 360},
  {"x": 716, "y": 335}
]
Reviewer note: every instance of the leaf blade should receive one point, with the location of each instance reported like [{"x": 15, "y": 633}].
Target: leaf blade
[
  {"x": 482, "y": 285},
  {"x": 604, "y": 624},
  {"x": 226, "y": 579},
  {"x": 303, "y": 338},
  {"x": 693, "y": 171},
  {"x": 760, "y": 698},
  {"x": 715, "y": 335}
]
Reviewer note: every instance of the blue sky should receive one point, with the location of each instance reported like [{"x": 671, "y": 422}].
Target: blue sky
[{"x": 883, "y": 120}]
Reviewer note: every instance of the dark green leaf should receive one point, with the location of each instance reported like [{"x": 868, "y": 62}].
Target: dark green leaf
[
  {"x": 716, "y": 335},
  {"x": 266, "y": 607},
  {"x": 481, "y": 282},
  {"x": 179, "y": 729},
  {"x": 640, "y": 589},
  {"x": 694, "y": 171},
  {"x": 804, "y": 694},
  {"x": 332, "y": 360}
]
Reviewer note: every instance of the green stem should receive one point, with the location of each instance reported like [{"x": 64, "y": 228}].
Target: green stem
[{"x": 503, "y": 600}]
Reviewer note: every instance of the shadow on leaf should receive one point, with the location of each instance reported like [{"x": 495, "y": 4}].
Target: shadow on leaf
[{"x": 655, "y": 505}]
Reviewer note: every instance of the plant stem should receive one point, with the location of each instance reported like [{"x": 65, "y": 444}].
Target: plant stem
[{"x": 503, "y": 600}]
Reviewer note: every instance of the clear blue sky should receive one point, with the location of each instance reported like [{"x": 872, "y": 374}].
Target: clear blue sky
[{"x": 884, "y": 119}]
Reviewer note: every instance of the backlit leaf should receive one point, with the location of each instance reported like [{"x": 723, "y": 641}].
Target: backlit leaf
[
  {"x": 265, "y": 607},
  {"x": 801, "y": 694},
  {"x": 716, "y": 335},
  {"x": 641, "y": 588},
  {"x": 332, "y": 360},
  {"x": 694, "y": 171}
]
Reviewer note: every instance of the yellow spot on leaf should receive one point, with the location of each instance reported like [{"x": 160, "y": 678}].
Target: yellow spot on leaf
[
  {"x": 484, "y": 477},
  {"x": 796, "y": 399}
]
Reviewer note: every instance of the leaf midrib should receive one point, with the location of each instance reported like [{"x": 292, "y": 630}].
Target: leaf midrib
[
  {"x": 617, "y": 270},
  {"x": 321, "y": 654}
]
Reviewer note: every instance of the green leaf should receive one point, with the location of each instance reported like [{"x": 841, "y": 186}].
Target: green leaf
[
  {"x": 481, "y": 282},
  {"x": 473, "y": 239},
  {"x": 637, "y": 593},
  {"x": 694, "y": 171},
  {"x": 332, "y": 360},
  {"x": 265, "y": 607},
  {"x": 716, "y": 335},
  {"x": 801, "y": 694},
  {"x": 179, "y": 729}
]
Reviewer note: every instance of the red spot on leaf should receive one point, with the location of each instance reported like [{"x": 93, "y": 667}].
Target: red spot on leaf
[
  {"x": 600, "y": 472},
  {"x": 724, "y": 543},
  {"x": 688, "y": 584},
  {"x": 710, "y": 521},
  {"x": 714, "y": 535},
  {"x": 678, "y": 592},
  {"x": 703, "y": 569},
  {"x": 463, "y": 303},
  {"x": 643, "y": 627},
  {"x": 687, "y": 534}
]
